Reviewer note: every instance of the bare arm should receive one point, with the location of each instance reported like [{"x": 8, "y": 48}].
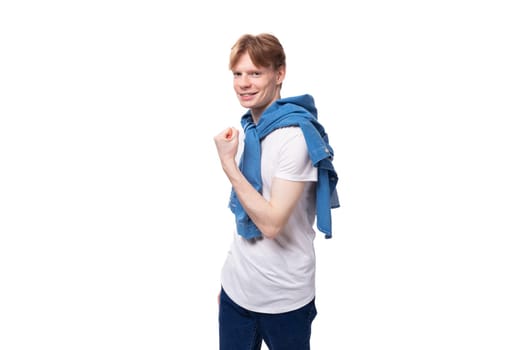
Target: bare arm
[{"x": 269, "y": 216}]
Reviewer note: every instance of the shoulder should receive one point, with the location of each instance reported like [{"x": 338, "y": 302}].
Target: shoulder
[
  {"x": 285, "y": 134},
  {"x": 286, "y": 139}
]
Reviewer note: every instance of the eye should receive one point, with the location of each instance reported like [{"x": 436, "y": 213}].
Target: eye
[
  {"x": 236, "y": 74},
  {"x": 255, "y": 74}
]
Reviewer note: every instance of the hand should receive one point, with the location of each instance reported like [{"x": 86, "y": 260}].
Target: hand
[{"x": 227, "y": 142}]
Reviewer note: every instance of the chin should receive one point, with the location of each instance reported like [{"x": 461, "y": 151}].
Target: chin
[{"x": 246, "y": 104}]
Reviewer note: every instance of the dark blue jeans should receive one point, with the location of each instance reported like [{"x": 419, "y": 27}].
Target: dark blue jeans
[{"x": 241, "y": 329}]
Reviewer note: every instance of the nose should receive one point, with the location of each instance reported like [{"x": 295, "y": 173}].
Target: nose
[{"x": 244, "y": 81}]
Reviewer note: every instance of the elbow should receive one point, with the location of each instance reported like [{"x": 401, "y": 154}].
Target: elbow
[
  {"x": 271, "y": 232},
  {"x": 271, "y": 226}
]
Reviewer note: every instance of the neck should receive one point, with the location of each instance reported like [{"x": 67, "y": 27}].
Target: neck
[{"x": 257, "y": 113}]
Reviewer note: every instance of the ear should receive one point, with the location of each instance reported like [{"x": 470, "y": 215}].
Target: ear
[{"x": 281, "y": 73}]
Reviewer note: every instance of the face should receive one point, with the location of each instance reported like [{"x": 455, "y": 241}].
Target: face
[{"x": 256, "y": 87}]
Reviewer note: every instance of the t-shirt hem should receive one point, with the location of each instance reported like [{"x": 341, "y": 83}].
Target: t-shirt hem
[{"x": 271, "y": 310}]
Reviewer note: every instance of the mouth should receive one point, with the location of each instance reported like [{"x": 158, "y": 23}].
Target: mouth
[{"x": 247, "y": 94}]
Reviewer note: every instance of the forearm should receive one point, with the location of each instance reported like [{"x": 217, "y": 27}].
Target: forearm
[{"x": 255, "y": 205}]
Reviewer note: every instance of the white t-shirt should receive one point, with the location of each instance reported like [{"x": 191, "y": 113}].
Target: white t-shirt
[{"x": 275, "y": 276}]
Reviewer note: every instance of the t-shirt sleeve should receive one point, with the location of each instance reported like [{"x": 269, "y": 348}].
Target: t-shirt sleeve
[{"x": 294, "y": 161}]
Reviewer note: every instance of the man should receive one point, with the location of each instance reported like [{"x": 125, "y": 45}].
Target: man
[{"x": 283, "y": 179}]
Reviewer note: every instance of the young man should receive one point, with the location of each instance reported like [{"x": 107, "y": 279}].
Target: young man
[{"x": 283, "y": 181}]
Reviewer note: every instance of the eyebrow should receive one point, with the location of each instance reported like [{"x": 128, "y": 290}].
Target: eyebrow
[{"x": 249, "y": 71}]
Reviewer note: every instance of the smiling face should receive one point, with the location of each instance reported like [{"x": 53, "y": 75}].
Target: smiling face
[{"x": 256, "y": 87}]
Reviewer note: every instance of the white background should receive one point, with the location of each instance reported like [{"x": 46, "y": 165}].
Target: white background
[{"x": 113, "y": 207}]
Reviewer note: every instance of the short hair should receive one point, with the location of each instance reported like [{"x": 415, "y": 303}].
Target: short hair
[{"x": 264, "y": 49}]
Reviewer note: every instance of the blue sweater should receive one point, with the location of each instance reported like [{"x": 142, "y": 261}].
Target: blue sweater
[{"x": 292, "y": 111}]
